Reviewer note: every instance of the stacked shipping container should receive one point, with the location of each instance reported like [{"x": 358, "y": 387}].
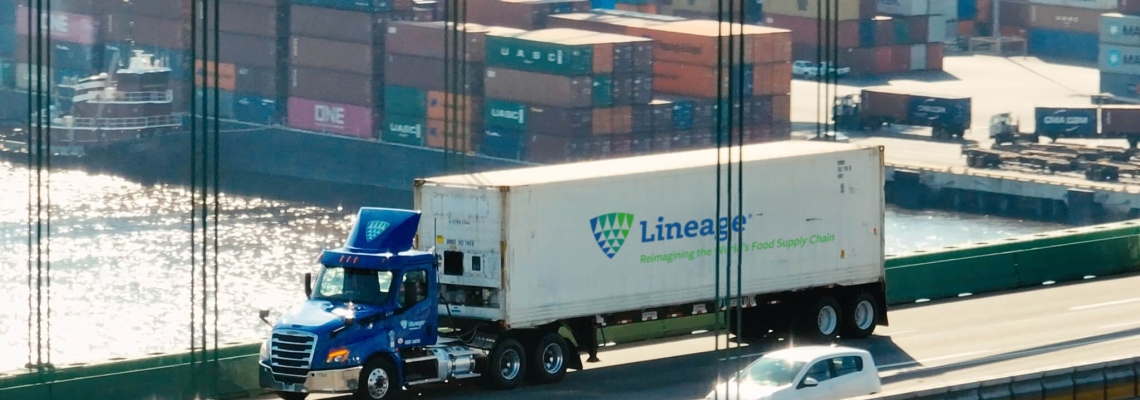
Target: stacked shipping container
[
  {"x": 76, "y": 47},
  {"x": 1065, "y": 29},
  {"x": 519, "y": 14},
  {"x": 869, "y": 43},
  {"x": 250, "y": 61},
  {"x": 1120, "y": 54}
]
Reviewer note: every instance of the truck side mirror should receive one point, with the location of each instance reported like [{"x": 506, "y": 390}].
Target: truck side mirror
[
  {"x": 264, "y": 315},
  {"x": 308, "y": 285}
]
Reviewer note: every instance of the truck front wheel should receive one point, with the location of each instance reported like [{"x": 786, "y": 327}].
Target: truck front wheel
[
  {"x": 548, "y": 361},
  {"x": 507, "y": 364},
  {"x": 378, "y": 381}
]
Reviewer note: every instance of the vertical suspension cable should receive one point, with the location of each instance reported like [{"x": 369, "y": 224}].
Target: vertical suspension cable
[
  {"x": 819, "y": 57},
  {"x": 217, "y": 183},
  {"x": 47, "y": 184},
  {"x": 717, "y": 119},
  {"x": 194, "y": 13},
  {"x": 742, "y": 84},
  {"x": 33, "y": 31}
]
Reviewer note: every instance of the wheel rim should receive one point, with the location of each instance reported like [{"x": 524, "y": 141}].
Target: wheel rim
[
  {"x": 378, "y": 383},
  {"x": 825, "y": 321},
  {"x": 864, "y": 315},
  {"x": 510, "y": 364},
  {"x": 552, "y": 358}
]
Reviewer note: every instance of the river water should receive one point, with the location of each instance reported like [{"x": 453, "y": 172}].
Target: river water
[{"x": 120, "y": 283}]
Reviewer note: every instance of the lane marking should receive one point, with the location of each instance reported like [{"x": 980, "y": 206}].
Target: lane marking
[
  {"x": 1111, "y": 303},
  {"x": 924, "y": 361}
]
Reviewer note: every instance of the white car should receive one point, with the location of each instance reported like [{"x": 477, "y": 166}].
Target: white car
[
  {"x": 808, "y": 69},
  {"x": 804, "y": 373}
]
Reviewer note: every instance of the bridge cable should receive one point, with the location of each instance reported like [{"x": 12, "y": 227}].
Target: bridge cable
[{"x": 39, "y": 188}]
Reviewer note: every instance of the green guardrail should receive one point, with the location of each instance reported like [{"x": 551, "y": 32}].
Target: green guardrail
[{"x": 1012, "y": 263}]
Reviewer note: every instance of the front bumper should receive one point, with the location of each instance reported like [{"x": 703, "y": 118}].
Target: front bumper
[{"x": 328, "y": 381}]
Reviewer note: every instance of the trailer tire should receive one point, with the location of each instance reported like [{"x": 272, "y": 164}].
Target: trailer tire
[
  {"x": 861, "y": 315},
  {"x": 548, "y": 360},
  {"x": 292, "y": 395},
  {"x": 506, "y": 366},
  {"x": 823, "y": 321},
  {"x": 378, "y": 381}
]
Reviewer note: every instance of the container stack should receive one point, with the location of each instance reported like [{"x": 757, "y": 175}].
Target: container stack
[
  {"x": 869, "y": 43},
  {"x": 419, "y": 95},
  {"x": 250, "y": 62},
  {"x": 959, "y": 16},
  {"x": 1120, "y": 53},
  {"x": 159, "y": 27},
  {"x": 562, "y": 94},
  {"x": 76, "y": 42},
  {"x": 1066, "y": 29},
  {"x": 709, "y": 9},
  {"x": 335, "y": 70},
  {"x": 519, "y": 14}
]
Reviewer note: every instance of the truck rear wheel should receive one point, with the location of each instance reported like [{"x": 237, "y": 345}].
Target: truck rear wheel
[
  {"x": 548, "y": 360},
  {"x": 378, "y": 381},
  {"x": 506, "y": 366},
  {"x": 861, "y": 316},
  {"x": 822, "y": 321}
]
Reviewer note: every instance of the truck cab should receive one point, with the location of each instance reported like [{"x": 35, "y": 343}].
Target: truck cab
[{"x": 369, "y": 325}]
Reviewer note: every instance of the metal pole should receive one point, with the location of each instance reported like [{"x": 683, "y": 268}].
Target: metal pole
[{"x": 997, "y": 25}]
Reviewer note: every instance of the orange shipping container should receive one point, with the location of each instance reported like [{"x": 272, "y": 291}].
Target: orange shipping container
[
  {"x": 613, "y": 120},
  {"x": 614, "y": 24},
  {"x": 462, "y": 140},
  {"x": 641, "y": 8},
  {"x": 603, "y": 58},
  {"x": 471, "y": 107},
  {"x": 768, "y": 79},
  {"x": 966, "y": 28},
  {"x": 782, "y": 108},
  {"x": 695, "y": 42},
  {"x": 693, "y": 80},
  {"x": 227, "y": 75}
]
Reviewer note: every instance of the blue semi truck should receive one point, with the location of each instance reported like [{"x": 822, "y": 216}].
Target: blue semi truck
[{"x": 507, "y": 276}]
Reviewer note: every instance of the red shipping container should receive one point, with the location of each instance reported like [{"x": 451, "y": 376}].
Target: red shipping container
[
  {"x": 985, "y": 11},
  {"x": 66, "y": 27},
  {"x": 934, "y": 54},
  {"x": 521, "y": 14},
  {"x": 352, "y": 26},
  {"x": 341, "y": 119},
  {"x": 148, "y": 31},
  {"x": 248, "y": 19},
  {"x": 340, "y": 56},
  {"x": 1014, "y": 13},
  {"x": 338, "y": 87},
  {"x": 892, "y": 59}
]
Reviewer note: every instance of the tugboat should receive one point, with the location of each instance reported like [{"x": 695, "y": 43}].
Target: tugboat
[{"x": 106, "y": 117}]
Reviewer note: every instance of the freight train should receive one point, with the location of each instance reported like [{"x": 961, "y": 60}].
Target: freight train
[{"x": 947, "y": 116}]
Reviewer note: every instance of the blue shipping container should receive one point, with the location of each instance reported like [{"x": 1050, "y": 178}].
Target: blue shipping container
[
  {"x": 945, "y": 111},
  {"x": 8, "y": 13},
  {"x": 1058, "y": 122},
  {"x": 503, "y": 143},
  {"x": 225, "y": 102},
  {"x": 682, "y": 115},
  {"x": 1124, "y": 85},
  {"x": 255, "y": 110},
  {"x": 967, "y": 10},
  {"x": 76, "y": 57},
  {"x": 1064, "y": 45},
  {"x": 176, "y": 60},
  {"x": 867, "y": 33},
  {"x": 349, "y": 5},
  {"x": 7, "y": 40},
  {"x": 603, "y": 4}
]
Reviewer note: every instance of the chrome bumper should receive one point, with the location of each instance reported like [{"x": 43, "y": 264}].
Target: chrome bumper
[{"x": 328, "y": 381}]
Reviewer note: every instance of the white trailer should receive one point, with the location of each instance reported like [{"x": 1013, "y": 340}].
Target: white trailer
[{"x": 635, "y": 239}]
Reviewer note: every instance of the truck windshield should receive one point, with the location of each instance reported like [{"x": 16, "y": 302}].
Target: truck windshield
[
  {"x": 353, "y": 284},
  {"x": 772, "y": 372}
]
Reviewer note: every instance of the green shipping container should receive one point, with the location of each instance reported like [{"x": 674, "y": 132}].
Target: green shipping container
[
  {"x": 538, "y": 56},
  {"x": 902, "y": 32},
  {"x": 405, "y": 100},
  {"x": 504, "y": 114},
  {"x": 603, "y": 91},
  {"x": 404, "y": 130}
]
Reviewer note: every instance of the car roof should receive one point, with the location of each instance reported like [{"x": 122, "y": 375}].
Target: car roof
[{"x": 809, "y": 353}]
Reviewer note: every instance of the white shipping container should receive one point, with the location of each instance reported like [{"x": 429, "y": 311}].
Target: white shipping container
[
  {"x": 903, "y": 7},
  {"x": 945, "y": 8},
  {"x": 937, "y": 32},
  {"x": 1088, "y": 4},
  {"x": 564, "y": 241},
  {"x": 918, "y": 57}
]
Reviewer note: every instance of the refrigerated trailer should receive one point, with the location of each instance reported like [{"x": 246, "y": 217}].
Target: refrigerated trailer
[{"x": 510, "y": 273}]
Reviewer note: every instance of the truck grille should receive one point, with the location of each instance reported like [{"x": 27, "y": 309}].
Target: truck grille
[{"x": 291, "y": 355}]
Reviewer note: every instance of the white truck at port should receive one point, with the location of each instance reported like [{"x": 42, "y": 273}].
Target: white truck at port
[{"x": 512, "y": 272}]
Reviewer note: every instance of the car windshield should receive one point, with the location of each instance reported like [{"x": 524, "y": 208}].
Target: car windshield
[
  {"x": 771, "y": 372},
  {"x": 353, "y": 284}
]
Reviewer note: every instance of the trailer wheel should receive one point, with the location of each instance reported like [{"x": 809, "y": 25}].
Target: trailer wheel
[
  {"x": 506, "y": 366},
  {"x": 823, "y": 320},
  {"x": 860, "y": 316},
  {"x": 292, "y": 395},
  {"x": 548, "y": 360},
  {"x": 378, "y": 381}
]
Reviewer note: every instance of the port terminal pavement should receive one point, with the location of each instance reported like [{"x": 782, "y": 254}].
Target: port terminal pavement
[{"x": 926, "y": 173}]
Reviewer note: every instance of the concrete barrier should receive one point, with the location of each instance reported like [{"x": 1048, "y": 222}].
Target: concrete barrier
[
  {"x": 1104, "y": 380},
  {"x": 1005, "y": 264}
]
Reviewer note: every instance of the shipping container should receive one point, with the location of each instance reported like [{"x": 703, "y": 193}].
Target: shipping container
[
  {"x": 806, "y": 30},
  {"x": 453, "y": 107},
  {"x": 967, "y": 10},
  {"x": 1129, "y": 6},
  {"x": 1014, "y": 13},
  {"x": 65, "y": 26},
  {"x": 1116, "y": 28},
  {"x": 615, "y": 120},
  {"x": 147, "y": 31},
  {"x": 22, "y": 71},
  {"x": 255, "y": 110},
  {"x": 946, "y": 8},
  {"x": 1077, "y": 20},
  {"x": 934, "y": 55},
  {"x": 215, "y": 75},
  {"x": 564, "y": 51},
  {"x": 1100, "y": 5},
  {"x": 225, "y": 102},
  {"x": 885, "y": 103},
  {"x": 539, "y": 89},
  {"x": 249, "y": 51},
  {"x": 1120, "y": 119},
  {"x": 699, "y": 81},
  {"x": 257, "y": 81},
  {"x": 8, "y": 41},
  {"x": 521, "y": 14},
  {"x": 429, "y": 39},
  {"x": 1124, "y": 85},
  {"x": 918, "y": 60},
  {"x": 329, "y": 117},
  {"x": 503, "y": 143},
  {"x": 173, "y": 9},
  {"x": 452, "y": 136},
  {"x": 695, "y": 42},
  {"x": 351, "y": 26},
  {"x": 616, "y": 24},
  {"x": 263, "y": 3},
  {"x": 1057, "y": 122},
  {"x": 1119, "y": 59},
  {"x": 328, "y": 54},
  {"x": 333, "y": 86},
  {"x": 937, "y": 30},
  {"x": 430, "y": 74},
  {"x": 892, "y": 59},
  {"x": 247, "y": 19},
  {"x": 903, "y": 7},
  {"x": 775, "y": 78},
  {"x": 930, "y": 110},
  {"x": 405, "y": 100},
  {"x": 1062, "y": 44},
  {"x": 404, "y": 130},
  {"x": 66, "y": 56},
  {"x": 848, "y": 9},
  {"x": 556, "y": 121},
  {"x": 8, "y": 13},
  {"x": 371, "y": 6}
]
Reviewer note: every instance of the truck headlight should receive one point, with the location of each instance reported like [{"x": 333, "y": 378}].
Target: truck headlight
[
  {"x": 337, "y": 356},
  {"x": 264, "y": 355}
]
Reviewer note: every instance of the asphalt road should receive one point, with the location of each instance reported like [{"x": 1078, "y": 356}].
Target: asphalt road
[{"x": 934, "y": 343}]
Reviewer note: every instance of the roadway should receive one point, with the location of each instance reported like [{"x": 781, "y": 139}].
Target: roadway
[{"x": 934, "y": 343}]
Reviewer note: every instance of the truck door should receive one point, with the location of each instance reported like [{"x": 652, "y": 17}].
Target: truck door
[{"x": 414, "y": 324}]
